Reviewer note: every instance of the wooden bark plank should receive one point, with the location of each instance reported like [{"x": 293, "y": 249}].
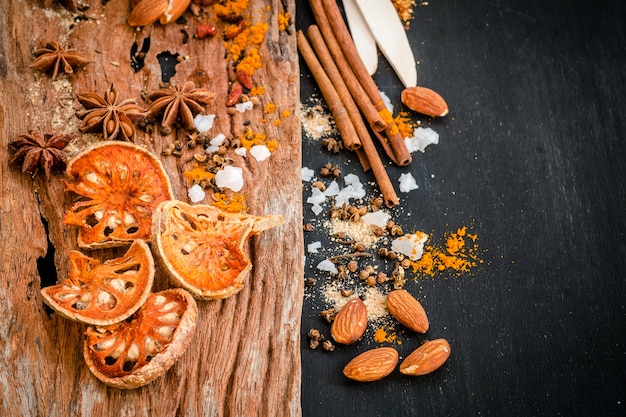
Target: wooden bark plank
[{"x": 244, "y": 359}]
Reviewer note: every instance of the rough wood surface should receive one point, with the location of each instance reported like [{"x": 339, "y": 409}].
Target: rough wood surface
[{"x": 244, "y": 359}]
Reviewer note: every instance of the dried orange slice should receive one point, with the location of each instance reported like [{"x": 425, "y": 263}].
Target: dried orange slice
[
  {"x": 202, "y": 247},
  {"x": 140, "y": 349},
  {"x": 121, "y": 184},
  {"x": 103, "y": 293}
]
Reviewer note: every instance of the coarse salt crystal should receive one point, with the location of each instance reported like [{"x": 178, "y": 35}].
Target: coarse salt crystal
[
  {"x": 203, "y": 123},
  {"x": 387, "y": 101},
  {"x": 317, "y": 209},
  {"x": 260, "y": 152},
  {"x": 241, "y": 151},
  {"x": 422, "y": 137},
  {"x": 411, "y": 245},
  {"x": 215, "y": 143},
  {"x": 230, "y": 177},
  {"x": 407, "y": 182},
  {"x": 242, "y": 107},
  {"x": 306, "y": 173},
  {"x": 314, "y": 246},
  {"x": 196, "y": 193},
  {"x": 317, "y": 196},
  {"x": 328, "y": 266},
  {"x": 332, "y": 189},
  {"x": 377, "y": 218}
]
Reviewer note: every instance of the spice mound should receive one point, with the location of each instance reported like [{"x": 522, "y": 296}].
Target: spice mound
[
  {"x": 103, "y": 293},
  {"x": 202, "y": 247},
  {"x": 140, "y": 349},
  {"x": 121, "y": 184}
]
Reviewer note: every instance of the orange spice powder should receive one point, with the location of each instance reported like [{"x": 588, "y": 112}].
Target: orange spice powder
[{"x": 459, "y": 254}]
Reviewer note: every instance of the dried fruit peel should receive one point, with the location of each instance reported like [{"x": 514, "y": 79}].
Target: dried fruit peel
[
  {"x": 121, "y": 184},
  {"x": 103, "y": 293},
  {"x": 202, "y": 247},
  {"x": 137, "y": 351}
]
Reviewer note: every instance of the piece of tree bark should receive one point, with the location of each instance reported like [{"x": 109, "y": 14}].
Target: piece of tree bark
[{"x": 244, "y": 359}]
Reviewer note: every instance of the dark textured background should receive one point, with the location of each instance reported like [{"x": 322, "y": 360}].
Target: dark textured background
[{"x": 532, "y": 156}]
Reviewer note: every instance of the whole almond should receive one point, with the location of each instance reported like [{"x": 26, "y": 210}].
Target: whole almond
[
  {"x": 350, "y": 322},
  {"x": 372, "y": 365},
  {"x": 425, "y": 101},
  {"x": 426, "y": 358},
  {"x": 407, "y": 310}
]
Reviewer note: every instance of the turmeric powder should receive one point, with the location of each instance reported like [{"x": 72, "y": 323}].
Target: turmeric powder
[
  {"x": 457, "y": 255},
  {"x": 236, "y": 203}
]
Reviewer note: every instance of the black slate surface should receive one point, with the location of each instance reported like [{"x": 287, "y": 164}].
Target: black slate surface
[{"x": 532, "y": 156}]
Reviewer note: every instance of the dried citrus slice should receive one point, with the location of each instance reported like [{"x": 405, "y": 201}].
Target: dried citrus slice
[
  {"x": 121, "y": 184},
  {"x": 140, "y": 349},
  {"x": 202, "y": 247},
  {"x": 103, "y": 293}
]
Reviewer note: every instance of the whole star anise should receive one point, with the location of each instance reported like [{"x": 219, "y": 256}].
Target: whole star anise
[
  {"x": 38, "y": 150},
  {"x": 104, "y": 113},
  {"x": 179, "y": 104},
  {"x": 54, "y": 58}
]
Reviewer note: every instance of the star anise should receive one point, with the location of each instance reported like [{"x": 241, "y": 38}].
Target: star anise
[
  {"x": 179, "y": 104},
  {"x": 104, "y": 113},
  {"x": 39, "y": 150},
  {"x": 54, "y": 58}
]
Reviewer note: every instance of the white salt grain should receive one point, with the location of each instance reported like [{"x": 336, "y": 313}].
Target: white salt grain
[
  {"x": 411, "y": 245},
  {"x": 327, "y": 266},
  {"x": 242, "y": 107},
  {"x": 230, "y": 177},
  {"x": 317, "y": 209},
  {"x": 422, "y": 137},
  {"x": 377, "y": 218},
  {"x": 306, "y": 173},
  {"x": 317, "y": 196},
  {"x": 332, "y": 189},
  {"x": 203, "y": 123},
  {"x": 387, "y": 101},
  {"x": 260, "y": 152},
  {"x": 407, "y": 182},
  {"x": 241, "y": 151},
  {"x": 196, "y": 193},
  {"x": 314, "y": 246}
]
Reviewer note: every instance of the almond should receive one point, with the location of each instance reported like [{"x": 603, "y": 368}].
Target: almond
[
  {"x": 426, "y": 358},
  {"x": 425, "y": 101},
  {"x": 175, "y": 9},
  {"x": 372, "y": 365},
  {"x": 350, "y": 322},
  {"x": 407, "y": 310},
  {"x": 147, "y": 12}
]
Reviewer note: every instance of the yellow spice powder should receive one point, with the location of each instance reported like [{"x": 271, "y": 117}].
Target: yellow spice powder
[
  {"x": 236, "y": 203},
  {"x": 283, "y": 20},
  {"x": 198, "y": 174},
  {"x": 459, "y": 254}
]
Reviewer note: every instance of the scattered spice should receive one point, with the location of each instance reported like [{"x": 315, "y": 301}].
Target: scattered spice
[
  {"x": 235, "y": 203},
  {"x": 459, "y": 255},
  {"x": 104, "y": 113},
  {"x": 54, "y": 58},
  {"x": 385, "y": 334},
  {"x": 38, "y": 150},
  {"x": 404, "y": 8},
  {"x": 284, "y": 20}
]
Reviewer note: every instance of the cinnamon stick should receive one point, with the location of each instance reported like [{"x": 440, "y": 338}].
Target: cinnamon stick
[
  {"x": 342, "y": 35},
  {"x": 360, "y": 96},
  {"x": 334, "y": 102},
  {"x": 367, "y": 145}
]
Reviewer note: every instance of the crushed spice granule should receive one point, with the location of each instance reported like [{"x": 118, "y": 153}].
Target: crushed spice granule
[
  {"x": 236, "y": 203},
  {"x": 457, "y": 256},
  {"x": 404, "y": 8},
  {"x": 236, "y": 7},
  {"x": 270, "y": 108},
  {"x": 405, "y": 124},
  {"x": 251, "y": 138},
  {"x": 385, "y": 334},
  {"x": 285, "y": 113},
  {"x": 257, "y": 91},
  {"x": 388, "y": 118},
  {"x": 198, "y": 174},
  {"x": 283, "y": 20}
]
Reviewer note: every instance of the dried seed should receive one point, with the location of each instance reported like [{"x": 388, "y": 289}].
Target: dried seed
[
  {"x": 346, "y": 293},
  {"x": 328, "y": 346},
  {"x": 353, "y": 266}
]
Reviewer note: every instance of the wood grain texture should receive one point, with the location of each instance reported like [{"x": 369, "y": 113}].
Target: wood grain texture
[{"x": 244, "y": 359}]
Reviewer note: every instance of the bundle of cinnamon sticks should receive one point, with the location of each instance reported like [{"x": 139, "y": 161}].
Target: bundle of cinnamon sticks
[{"x": 351, "y": 94}]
